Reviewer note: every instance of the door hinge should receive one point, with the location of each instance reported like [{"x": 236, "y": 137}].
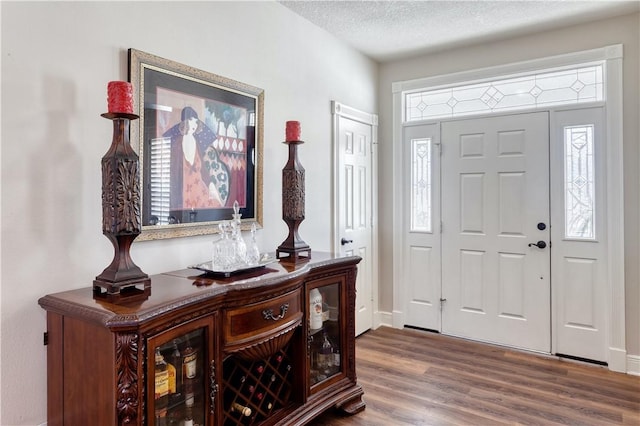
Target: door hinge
[
  {"x": 442, "y": 300},
  {"x": 45, "y": 339},
  {"x": 441, "y": 226}
]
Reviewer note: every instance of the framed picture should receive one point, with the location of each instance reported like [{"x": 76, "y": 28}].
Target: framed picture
[{"x": 200, "y": 139}]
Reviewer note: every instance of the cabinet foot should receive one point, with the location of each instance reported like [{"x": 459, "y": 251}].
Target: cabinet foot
[{"x": 353, "y": 404}]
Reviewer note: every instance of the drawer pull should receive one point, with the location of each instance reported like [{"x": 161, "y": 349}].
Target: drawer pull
[{"x": 268, "y": 313}]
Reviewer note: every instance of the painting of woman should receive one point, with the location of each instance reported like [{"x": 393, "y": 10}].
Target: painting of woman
[{"x": 199, "y": 179}]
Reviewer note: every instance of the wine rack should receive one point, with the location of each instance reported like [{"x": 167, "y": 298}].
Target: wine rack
[{"x": 255, "y": 390}]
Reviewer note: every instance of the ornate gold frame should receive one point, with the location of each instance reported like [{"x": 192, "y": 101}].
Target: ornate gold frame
[{"x": 141, "y": 63}]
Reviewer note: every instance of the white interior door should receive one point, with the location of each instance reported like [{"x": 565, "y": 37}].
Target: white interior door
[
  {"x": 495, "y": 204},
  {"x": 421, "y": 257},
  {"x": 354, "y": 140}
]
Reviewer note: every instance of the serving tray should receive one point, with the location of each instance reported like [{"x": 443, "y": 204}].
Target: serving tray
[{"x": 234, "y": 269}]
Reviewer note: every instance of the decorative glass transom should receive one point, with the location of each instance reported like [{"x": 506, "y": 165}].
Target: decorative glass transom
[
  {"x": 579, "y": 182},
  {"x": 421, "y": 185},
  {"x": 542, "y": 89}
]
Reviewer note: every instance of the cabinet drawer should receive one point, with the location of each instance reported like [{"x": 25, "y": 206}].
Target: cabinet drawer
[{"x": 260, "y": 320}]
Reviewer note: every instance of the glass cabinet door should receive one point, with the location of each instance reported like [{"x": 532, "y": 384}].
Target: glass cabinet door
[
  {"x": 325, "y": 331},
  {"x": 179, "y": 376}
]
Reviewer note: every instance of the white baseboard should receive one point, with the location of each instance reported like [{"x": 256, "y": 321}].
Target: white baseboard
[
  {"x": 382, "y": 319},
  {"x": 633, "y": 365}
]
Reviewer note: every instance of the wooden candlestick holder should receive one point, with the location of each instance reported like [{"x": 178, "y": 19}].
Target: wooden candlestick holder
[
  {"x": 122, "y": 280},
  {"x": 293, "y": 248}
]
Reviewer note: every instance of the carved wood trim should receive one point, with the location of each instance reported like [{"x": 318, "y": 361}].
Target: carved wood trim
[{"x": 127, "y": 383}]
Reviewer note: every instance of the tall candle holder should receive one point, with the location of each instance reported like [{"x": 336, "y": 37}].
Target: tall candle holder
[
  {"x": 122, "y": 280},
  {"x": 293, "y": 248}
]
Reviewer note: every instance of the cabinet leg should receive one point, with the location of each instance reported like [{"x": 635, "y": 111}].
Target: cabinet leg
[{"x": 353, "y": 404}]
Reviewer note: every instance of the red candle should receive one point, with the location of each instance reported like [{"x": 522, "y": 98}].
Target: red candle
[
  {"x": 120, "y": 97},
  {"x": 293, "y": 131}
]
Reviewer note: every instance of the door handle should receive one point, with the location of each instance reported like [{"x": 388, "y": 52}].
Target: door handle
[
  {"x": 344, "y": 241},
  {"x": 540, "y": 244}
]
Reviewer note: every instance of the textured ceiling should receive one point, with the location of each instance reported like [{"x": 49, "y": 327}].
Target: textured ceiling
[{"x": 388, "y": 30}]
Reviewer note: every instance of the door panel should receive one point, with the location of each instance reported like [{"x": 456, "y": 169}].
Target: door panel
[
  {"x": 354, "y": 140},
  {"x": 495, "y": 187}
]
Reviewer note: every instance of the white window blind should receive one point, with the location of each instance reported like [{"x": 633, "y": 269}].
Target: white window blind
[{"x": 160, "y": 178}]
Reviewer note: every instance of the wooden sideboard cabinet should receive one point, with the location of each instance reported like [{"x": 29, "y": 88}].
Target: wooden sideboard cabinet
[{"x": 208, "y": 351}]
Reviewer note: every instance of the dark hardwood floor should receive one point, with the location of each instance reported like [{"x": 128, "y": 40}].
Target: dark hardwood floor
[{"x": 413, "y": 377}]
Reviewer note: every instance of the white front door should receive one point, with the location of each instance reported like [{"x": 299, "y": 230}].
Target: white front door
[
  {"x": 495, "y": 236},
  {"x": 421, "y": 256},
  {"x": 354, "y": 143}
]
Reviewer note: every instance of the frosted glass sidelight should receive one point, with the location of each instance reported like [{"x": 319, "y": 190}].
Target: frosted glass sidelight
[
  {"x": 579, "y": 182},
  {"x": 421, "y": 185},
  {"x": 542, "y": 89}
]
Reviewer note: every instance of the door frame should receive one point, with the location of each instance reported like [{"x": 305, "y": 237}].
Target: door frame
[
  {"x": 339, "y": 110},
  {"x": 612, "y": 56}
]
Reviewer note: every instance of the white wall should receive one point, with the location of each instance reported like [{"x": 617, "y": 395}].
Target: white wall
[
  {"x": 56, "y": 61},
  {"x": 570, "y": 39}
]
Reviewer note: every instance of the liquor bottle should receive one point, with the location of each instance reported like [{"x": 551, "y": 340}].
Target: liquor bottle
[
  {"x": 259, "y": 369},
  {"x": 176, "y": 361},
  {"x": 315, "y": 309},
  {"x": 161, "y": 397},
  {"x": 189, "y": 362},
  {"x": 336, "y": 358},
  {"x": 188, "y": 417},
  {"x": 189, "y": 392},
  {"x": 237, "y": 408},
  {"x": 325, "y": 355},
  {"x": 171, "y": 371}
]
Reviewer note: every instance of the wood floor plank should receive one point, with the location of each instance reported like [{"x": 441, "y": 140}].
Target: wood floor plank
[{"x": 413, "y": 377}]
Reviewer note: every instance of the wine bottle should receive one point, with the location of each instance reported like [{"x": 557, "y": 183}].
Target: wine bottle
[
  {"x": 238, "y": 382},
  {"x": 161, "y": 397},
  {"x": 237, "y": 408}
]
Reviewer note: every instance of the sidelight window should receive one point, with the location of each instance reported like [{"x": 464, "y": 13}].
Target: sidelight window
[
  {"x": 579, "y": 182},
  {"x": 421, "y": 185}
]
